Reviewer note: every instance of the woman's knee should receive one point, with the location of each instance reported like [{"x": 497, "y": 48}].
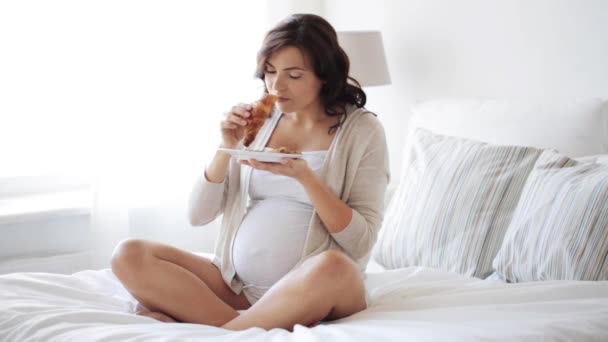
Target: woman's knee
[
  {"x": 332, "y": 267},
  {"x": 340, "y": 280},
  {"x": 129, "y": 257}
]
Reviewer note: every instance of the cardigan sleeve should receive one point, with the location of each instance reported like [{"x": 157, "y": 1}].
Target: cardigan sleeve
[
  {"x": 207, "y": 201},
  {"x": 366, "y": 198}
]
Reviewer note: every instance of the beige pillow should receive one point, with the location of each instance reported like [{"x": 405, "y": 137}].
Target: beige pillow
[
  {"x": 560, "y": 228},
  {"x": 453, "y": 204}
]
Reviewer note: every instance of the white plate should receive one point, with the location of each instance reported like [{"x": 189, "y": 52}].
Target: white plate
[{"x": 270, "y": 157}]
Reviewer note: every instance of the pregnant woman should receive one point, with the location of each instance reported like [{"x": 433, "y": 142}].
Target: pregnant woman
[{"x": 295, "y": 235}]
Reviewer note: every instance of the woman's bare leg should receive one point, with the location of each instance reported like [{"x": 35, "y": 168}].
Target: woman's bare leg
[
  {"x": 181, "y": 285},
  {"x": 328, "y": 286},
  {"x": 157, "y": 315}
]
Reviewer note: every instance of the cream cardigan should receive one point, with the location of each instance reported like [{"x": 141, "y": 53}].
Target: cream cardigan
[{"x": 356, "y": 168}]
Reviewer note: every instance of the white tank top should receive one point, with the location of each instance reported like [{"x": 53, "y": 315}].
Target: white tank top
[{"x": 271, "y": 237}]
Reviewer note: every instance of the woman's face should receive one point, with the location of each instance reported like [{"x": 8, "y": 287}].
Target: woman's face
[{"x": 289, "y": 75}]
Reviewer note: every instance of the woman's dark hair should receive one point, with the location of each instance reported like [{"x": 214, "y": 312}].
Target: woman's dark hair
[{"x": 317, "y": 39}]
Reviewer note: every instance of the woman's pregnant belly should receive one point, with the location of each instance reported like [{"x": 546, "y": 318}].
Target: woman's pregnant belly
[{"x": 270, "y": 240}]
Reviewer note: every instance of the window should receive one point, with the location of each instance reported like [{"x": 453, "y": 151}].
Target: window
[{"x": 133, "y": 90}]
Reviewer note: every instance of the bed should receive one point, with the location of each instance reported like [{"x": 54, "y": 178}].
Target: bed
[
  {"x": 413, "y": 304},
  {"x": 412, "y": 297}
]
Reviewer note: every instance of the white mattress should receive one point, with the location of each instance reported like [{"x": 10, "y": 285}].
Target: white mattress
[{"x": 413, "y": 304}]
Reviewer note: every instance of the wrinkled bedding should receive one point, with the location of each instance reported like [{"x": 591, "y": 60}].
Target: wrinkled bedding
[{"x": 409, "y": 304}]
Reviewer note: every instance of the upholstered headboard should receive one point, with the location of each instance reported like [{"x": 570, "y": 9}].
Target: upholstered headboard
[{"x": 575, "y": 127}]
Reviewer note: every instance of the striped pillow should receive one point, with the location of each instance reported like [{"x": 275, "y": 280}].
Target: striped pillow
[
  {"x": 453, "y": 204},
  {"x": 559, "y": 230}
]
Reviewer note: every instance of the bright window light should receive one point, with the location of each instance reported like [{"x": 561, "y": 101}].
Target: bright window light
[{"x": 131, "y": 88}]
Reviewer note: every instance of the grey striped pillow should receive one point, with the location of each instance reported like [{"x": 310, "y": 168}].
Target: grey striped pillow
[
  {"x": 559, "y": 230},
  {"x": 453, "y": 204}
]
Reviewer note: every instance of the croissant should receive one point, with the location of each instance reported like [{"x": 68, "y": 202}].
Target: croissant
[
  {"x": 284, "y": 149},
  {"x": 258, "y": 116}
]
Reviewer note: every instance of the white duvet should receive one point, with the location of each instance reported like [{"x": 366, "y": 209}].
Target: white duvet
[{"x": 410, "y": 304}]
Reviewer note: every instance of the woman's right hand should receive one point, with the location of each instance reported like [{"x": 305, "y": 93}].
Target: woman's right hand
[{"x": 233, "y": 123}]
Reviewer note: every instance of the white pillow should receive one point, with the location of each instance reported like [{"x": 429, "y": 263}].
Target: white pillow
[
  {"x": 597, "y": 158},
  {"x": 453, "y": 204},
  {"x": 573, "y": 126},
  {"x": 559, "y": 230}
]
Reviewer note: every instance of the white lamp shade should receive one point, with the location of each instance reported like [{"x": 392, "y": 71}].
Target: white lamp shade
[{"x": 367, "y": 59}]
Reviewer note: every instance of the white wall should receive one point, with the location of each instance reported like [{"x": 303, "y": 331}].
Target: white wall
[
  {"x": 479, "y": 48},
  {"x": 279, "y": 9}
]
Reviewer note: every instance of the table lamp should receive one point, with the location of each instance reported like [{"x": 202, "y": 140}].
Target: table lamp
[{"x": 367, "y": 59}]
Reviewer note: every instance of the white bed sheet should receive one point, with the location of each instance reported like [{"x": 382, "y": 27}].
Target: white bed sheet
[{"x": 410, "y": 304}]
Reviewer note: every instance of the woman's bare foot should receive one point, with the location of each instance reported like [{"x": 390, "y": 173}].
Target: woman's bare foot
[{"x": 159, "y": 316}]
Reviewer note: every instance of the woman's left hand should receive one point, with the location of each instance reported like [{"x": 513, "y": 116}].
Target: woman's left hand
[{"x": 294, "y": 168}]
